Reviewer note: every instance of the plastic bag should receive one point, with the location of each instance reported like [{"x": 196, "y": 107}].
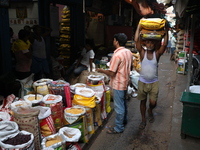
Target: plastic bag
[
  {"x": 85, "y": 92},
  {"x": 56, "y": 105},
  {"x": 46, "y": 121},
  {"x": 4, "y": 116},
  {"x": 71, "y": 114},
  {"x": 29, "y": 145},
  {"x": 195, "y": 89},
  {"x": 70, "y": 134},
  {"x": 134, "y": 76},
  {"x": 24, "y": 104},
  {"x": 26, "y": 85},
  {"x": 33, "y": 99},
  {"x": 8, "y": 128},
  {"x": 61, "y": 87},
  {"x": 81, "y": 124},
  {"x": 84, "y": 101},
  {"x": 55, "y": 141},
  {"x": 152, "y": 23}
]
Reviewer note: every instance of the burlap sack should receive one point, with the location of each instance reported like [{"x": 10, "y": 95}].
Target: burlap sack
[{"x": 27, "y": 119}]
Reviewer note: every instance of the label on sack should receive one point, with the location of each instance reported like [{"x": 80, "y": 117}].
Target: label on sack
[{"x": 71, "y": 119}]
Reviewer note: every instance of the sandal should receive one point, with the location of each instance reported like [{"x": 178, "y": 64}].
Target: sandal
[
  {"x": 142, "y": 125},
  {"x": 112, "y": 131},
  {"x": 151, "y": 119}
]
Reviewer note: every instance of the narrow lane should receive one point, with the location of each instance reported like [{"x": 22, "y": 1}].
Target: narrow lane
[{"x": 156, "y": 135}]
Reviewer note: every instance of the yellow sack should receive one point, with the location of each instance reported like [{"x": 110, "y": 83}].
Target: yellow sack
[
  {"x": 84, "y": 101},
  {"x": 152, "y": 23}
]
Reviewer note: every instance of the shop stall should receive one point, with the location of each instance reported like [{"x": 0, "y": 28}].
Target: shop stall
[{"x": 55, "y": 114}]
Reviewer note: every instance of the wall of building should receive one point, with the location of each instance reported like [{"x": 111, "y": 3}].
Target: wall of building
[{"x": 31, "y": 19}]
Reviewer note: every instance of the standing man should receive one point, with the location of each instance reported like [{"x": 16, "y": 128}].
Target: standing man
[
  {"x": 173, "y": 46},
  {"x": 40, "y": 64},
  {"x": 148, "y": 81},
  {"x": 119, "y": 72},
  {"x": 22, "y": 51}
]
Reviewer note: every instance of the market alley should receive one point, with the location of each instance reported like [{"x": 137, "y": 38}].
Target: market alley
[{"x": 164, "y": 133}]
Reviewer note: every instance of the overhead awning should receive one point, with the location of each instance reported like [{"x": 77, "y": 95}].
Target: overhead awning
[
  {"x": 180, "y": 6},
  {"x": 183, "y": 7}
]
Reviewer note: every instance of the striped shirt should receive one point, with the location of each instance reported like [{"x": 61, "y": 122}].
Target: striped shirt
[{"x": 121, "y": 64}]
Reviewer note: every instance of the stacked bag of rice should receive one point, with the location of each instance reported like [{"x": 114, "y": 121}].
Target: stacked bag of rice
[{"x": 152, "y": 28}]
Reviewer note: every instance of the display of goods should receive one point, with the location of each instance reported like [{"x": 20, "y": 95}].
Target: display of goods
[
  {"x": 103, "y": 106},
  {"x": 77, "y": 85},
  {"x": 24, "y": 104},
  {"x": 72, "y": 114},
  {"x": 73, "y": 146},
  {"x": 82, "y": 126},
  {"x": 62, "y": 88},
  {"x": 85, "y": 92},
  {"x": 96, "y": 83},
  {"x": 56, "y": 105},
  {"x": 18, "y": 141},
  {"x": 84, "y": 101},
  {"x": 152, "y": 23},
  {"x": 55, "y": 141},
  {"x": 181, "y": 66},
  {"x": 97, "y": 115},
  {"x": 108, "y": 99},
  {"x": 26, "y": 85},
  {"x": 4, "y": 116},
  {"x": 27, "y": 119},
  {"x": 89, "y": 120},
  {"x": 70, "y": 134},
  {"x": 8, "y": 128},
  {"x": 35, "y": 99},
  {"x": 46, "y": 121},
  {"x": 41, "y": 86},
  {"x": 95, "y": 79},
  {"x": 85, "y": 73}
]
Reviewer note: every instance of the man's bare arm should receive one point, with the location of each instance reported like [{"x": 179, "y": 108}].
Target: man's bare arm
[
  {"x": 165, "y": 42},
  {"x": 137, "y": 39},
  {"x": 107, "y": 72}
]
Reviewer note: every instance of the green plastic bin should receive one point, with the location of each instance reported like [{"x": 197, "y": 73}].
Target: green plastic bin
[{"x": 191, "y": 115}]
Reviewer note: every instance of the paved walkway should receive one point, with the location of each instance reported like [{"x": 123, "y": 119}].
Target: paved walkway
[{"x": 164, "y": 133}]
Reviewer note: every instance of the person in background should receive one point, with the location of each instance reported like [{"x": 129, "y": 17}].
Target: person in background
[
  {"x": 39, "y": 65},
  {"x": 173, "y": 45},
  {"x": 22, "y": 51},
  {"x": 148, "y": 80},
  {"x": 119, "y": 71},
  {"x": 27, "y": 28},
  {"x": 86, "y": 59}
]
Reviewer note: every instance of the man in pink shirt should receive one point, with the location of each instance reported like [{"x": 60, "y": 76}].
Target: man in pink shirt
[{"x": 119, "y": 72}]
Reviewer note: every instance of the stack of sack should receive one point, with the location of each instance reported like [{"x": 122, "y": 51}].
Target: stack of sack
[
  {"x": 180, "y": 44},
  {"x": 56, "y": 115},
  {"x": 152, "y": 28}
]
